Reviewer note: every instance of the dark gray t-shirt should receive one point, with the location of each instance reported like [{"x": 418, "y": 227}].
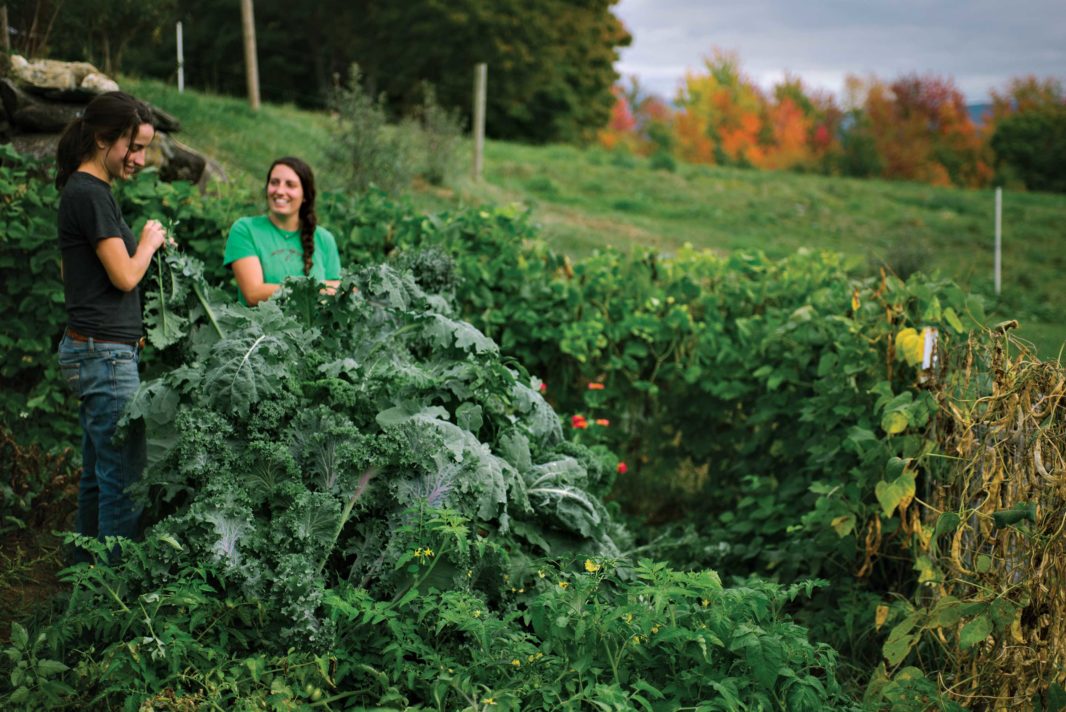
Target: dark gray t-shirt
[{"x": 88, "y": 213}]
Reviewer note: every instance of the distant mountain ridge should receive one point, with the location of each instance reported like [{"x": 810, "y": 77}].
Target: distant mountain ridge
[{"x": 977, "y": 112}]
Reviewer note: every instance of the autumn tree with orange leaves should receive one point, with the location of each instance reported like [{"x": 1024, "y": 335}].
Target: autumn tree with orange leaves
[
  {"x": 720, "y": 116},
  {"x": 913, "y": 128},
  {"x": 640, "y": 122},
  {"x": 805, "y": 126},
  {"x": 922, "y": 131}
]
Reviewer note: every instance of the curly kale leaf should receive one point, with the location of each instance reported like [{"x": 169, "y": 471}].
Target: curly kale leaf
[
  {"x": 460, "y": 334},
  {"x": 248, "y": 368}
]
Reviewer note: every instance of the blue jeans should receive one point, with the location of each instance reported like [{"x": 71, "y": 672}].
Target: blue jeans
[{"x": 104, "y": 377}]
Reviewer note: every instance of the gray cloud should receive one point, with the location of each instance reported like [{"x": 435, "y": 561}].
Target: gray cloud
[{"x": 980, "y": 44}]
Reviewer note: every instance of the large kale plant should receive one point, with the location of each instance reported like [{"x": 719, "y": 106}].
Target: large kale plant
[{"x": 296, "y": 443}]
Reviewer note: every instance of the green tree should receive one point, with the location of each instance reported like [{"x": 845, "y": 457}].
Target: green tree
[
  {"x": 102, "y": 31},
  {"x": 551, "y": 62},
  {"x": 1032, "y": 146}
]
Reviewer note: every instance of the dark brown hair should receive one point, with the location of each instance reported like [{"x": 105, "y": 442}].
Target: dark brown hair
[
  {"x": 107, "y": 117},
  {"x": 308, "y": 219}
]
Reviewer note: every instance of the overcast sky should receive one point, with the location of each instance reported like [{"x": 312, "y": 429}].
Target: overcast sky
[{"x": 978, "y": 43}]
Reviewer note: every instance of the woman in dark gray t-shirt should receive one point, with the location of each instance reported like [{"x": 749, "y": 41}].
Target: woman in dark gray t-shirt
[{"x": 102, "y": 267}]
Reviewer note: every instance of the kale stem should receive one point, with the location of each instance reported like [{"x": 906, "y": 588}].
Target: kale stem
[
  {"x": 162, "y": 294},
  {"x": 359, "y": 489},
  {"x": 207, "y": 309}
]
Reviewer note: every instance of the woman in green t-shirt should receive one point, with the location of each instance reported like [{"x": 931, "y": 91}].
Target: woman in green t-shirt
[{"x": 286, "y": 242}]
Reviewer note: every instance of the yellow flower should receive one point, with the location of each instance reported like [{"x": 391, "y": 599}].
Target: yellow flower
[
  {"x": 591, "y": 566},
  {"x": 469, "y": 573},
  {"x": 428, "y": 552},
  {"x": 489, "y": 701},
  {"x": 705, "y": 602},
  {"x": 636, "y": 640},
  {"x": 654, "y": 629},
  {"x": 477, "y": 613},
  {"x": 540, "y": 573},
  {"x": 629, "y": 617},
  {"x": 564, "y": 584},
  {"x": 516, "y": 662},
  {"x": 530, "y": 659}
]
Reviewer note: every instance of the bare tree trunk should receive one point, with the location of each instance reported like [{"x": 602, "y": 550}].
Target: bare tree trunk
[
  {"x": 3, "y": 28},
  {"x": 116, "y": 63},
  {"x": 34, "y": 43},
  {"x": 51, "y": 24},
  {"x": 29, "y": 49},
  {"x": 107, "y": 53}
]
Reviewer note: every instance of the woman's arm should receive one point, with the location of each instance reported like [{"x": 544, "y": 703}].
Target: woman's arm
[
  {"x": 125, "y": 271},
  {"x": 249, "y": 274},
  {"x": 331, "y": 260}
]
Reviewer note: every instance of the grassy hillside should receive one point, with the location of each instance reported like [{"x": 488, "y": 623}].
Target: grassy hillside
[{"x": 587, "y": 198}]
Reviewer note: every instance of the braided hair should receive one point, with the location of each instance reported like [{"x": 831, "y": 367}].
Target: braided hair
[
  {"x": 107, "y": 117},
  {"x": 308, "y": 219}
]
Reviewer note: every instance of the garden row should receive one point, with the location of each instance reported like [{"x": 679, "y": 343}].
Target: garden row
[{"x": 772, "y": 420}]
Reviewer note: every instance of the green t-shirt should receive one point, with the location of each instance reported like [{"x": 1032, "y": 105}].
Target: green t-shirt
[{"x": 279, "y": 251}]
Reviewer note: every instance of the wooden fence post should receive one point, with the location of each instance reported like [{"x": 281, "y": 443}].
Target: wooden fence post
[
  {"x": 251, "y": 64},
  {"x": 480, "y": 81}
]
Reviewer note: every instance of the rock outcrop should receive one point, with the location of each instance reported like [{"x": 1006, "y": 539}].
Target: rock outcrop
[{"x": 39, "y": 98}]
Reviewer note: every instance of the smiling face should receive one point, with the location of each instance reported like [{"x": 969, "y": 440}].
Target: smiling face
[
  {"x": 123, "y": 158},
  {"x": 285, "y": 195}
]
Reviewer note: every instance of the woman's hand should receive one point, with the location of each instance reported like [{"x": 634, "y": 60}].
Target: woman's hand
[
  {"x": 126, "y": 271},
  {"x": 154, "y": 235}
]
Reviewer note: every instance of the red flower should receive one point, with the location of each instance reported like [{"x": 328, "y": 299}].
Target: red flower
[
  {"x": 543, "y": 387},
  {"x": 603, "y": 421},
  {"x": 595, "y": 386},
  {"x": 579, "y": 422},
  {"x": 622, "y": 469}
]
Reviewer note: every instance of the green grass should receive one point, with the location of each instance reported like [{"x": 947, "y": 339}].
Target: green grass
[
  {"x": 243, "y": 141},
  {"x": 585, "y": 199}
]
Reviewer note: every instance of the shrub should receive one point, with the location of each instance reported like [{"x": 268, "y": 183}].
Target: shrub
[
  {"x": 663, "y": 161},
  {"x": 441, "y": 138},
  {"x": 904, "y": 258},
  {"x": 34, "y": 403},
  {"x": 368, "y": 151}
]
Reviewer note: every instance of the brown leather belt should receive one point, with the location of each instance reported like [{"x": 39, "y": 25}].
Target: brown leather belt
[{"x": 74, "y": 335}]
